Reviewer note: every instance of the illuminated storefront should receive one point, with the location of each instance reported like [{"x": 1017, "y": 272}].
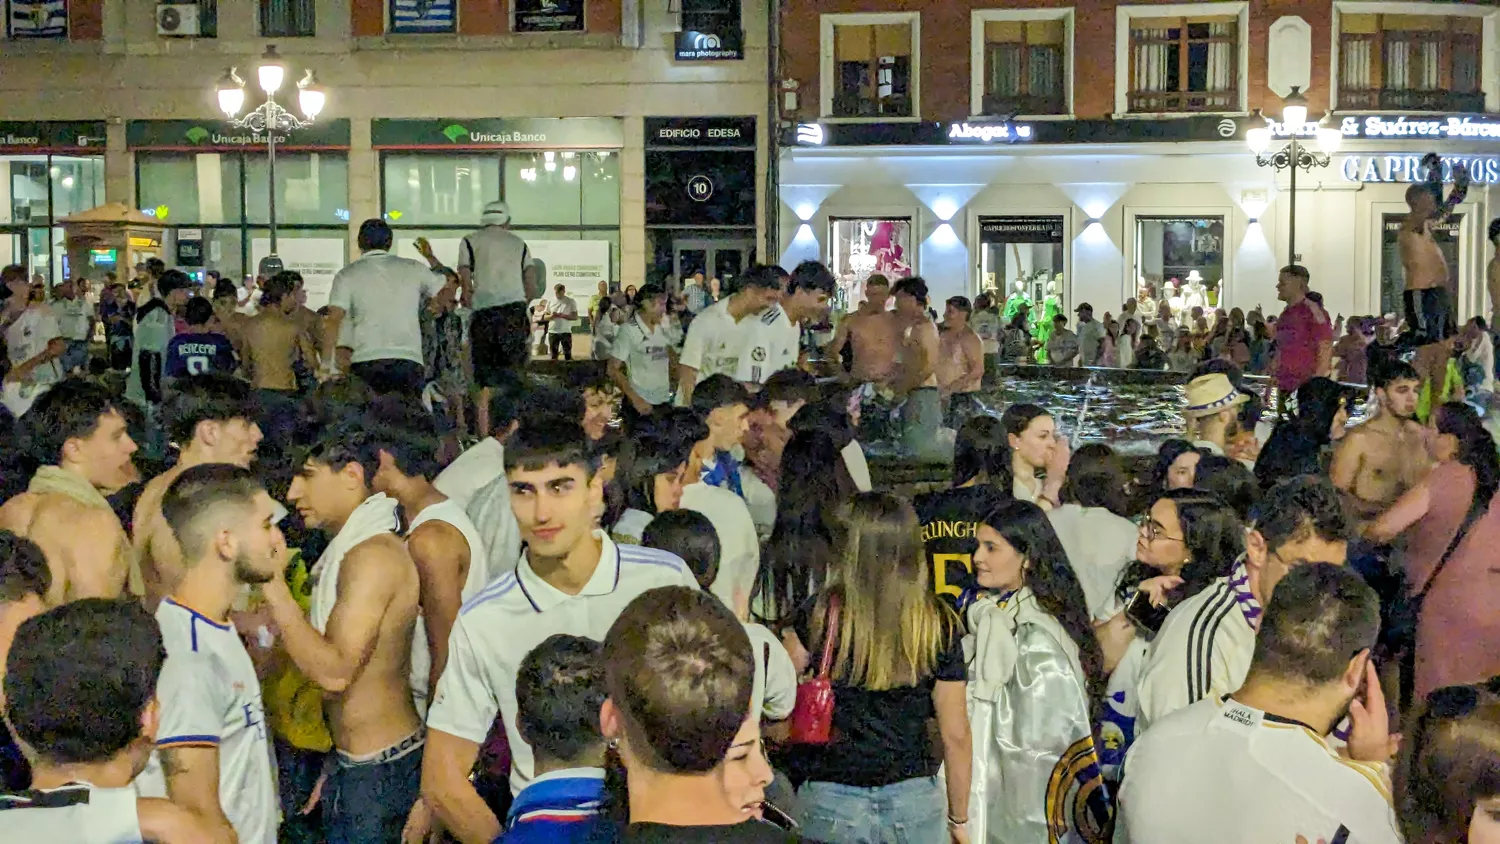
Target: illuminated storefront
[{"x": 48, "y": 170}]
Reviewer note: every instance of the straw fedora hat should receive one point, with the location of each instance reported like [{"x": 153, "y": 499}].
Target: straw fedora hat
[{"x": 1209, "y": 394}]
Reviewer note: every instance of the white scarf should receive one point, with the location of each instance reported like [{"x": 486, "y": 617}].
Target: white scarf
[{"x": 374, "y": 516}]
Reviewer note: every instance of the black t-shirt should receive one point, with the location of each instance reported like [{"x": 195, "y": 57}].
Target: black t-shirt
[
  {"x": 749, "y": 832},
  {"x": 879, "y": 738},
  {"x": 949, "y": 520}
]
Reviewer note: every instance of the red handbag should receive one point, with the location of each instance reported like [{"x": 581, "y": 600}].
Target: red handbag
[{"x": 812, "y": 716}]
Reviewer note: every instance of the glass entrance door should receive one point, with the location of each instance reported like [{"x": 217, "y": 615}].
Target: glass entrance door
[{"x": 725, "y": 260}]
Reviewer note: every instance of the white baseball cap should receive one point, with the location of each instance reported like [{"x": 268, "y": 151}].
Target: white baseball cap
[{"x": 495, "y": 214}]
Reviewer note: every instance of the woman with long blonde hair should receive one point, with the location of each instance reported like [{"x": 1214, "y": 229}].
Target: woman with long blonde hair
[{"x": 896, "y": 663}]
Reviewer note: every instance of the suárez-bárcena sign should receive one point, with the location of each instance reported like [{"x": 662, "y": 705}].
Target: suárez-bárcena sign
[{"x": 1386, "y": 126}]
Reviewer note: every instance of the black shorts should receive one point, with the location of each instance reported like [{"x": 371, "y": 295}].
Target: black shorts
[
  {"x": 498, "y": 341},
  {"x": 1429, "y": 315}
]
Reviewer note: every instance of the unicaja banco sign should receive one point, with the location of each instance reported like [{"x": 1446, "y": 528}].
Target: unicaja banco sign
[{"x": 458, "y": 134}]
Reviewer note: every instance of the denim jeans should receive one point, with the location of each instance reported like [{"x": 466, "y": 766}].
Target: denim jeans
[
  {"x": 912, "y": 811},
  {"x": 296, "y": 773},
  {"x": 368, "y": 803}
]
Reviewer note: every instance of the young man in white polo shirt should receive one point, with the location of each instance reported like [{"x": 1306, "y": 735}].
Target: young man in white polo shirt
[
  {"x": 380, "y": 296},
  {"x": 572, "y": 579},
  {"x": 212, "y": 753},
  {"x": 721, "y": 335},
  {"x": 644, "y": 353},
  {"x": 1203, "y": 649},
  {"x": 80, "y": 691},
  {"x": 1256, "y": 766}
]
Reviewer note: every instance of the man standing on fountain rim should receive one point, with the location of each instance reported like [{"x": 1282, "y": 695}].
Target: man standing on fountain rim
[{"x": 1427, "y": 297}]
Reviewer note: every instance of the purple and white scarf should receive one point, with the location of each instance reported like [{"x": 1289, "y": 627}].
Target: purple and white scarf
[{"x": 1239, "y": 583}]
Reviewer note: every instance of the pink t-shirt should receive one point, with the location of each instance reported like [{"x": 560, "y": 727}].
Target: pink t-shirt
[{"x": 1300, "y": 330}]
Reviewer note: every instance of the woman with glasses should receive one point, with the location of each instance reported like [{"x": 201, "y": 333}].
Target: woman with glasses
[
  {"x": 1451, "y": 535},
  {"x": 1448, "y": 780},
  {"x": 1188, "y": 539},
  {"x": 1035, "y": 684}
]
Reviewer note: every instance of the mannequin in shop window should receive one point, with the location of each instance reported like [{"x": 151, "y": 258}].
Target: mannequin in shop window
[
  {"x": 1174, "y": 302},
  {"x": 1041, "y": 320},
  {"x": 1145, "y": 303},
  {"x": 1017, "y": 301},
  {"x": 1195, "y": 295}
]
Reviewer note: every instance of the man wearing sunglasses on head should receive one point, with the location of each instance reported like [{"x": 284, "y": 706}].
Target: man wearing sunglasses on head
[
  {"x": 1204, "y": 647},
  {"x": 1258, "y": 763}
]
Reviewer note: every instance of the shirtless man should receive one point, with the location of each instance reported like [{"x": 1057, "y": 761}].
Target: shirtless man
[
  {"x": 272, "y": 342},
  {"x": 24, "y": 581},
  {"x": 452, "y": 565},
  {"x": 1427, "y": 299},
  {"x": 356, "y": 644},
  {"x": 875, "y": 333},
  {"x": 64, "y": 511},
  {"x": 960, "y": 363},
  {"x": 1492, "y": 273},
  {"x": 922, "y": 413},
  {"x": 211, "y": 418},
  {"x": 1379, "y": 460}
]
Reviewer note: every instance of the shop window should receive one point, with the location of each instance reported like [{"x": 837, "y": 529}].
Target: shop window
[
  {"x": 1024, "y": 62},
  {"x": 441, "y": 190},
  {"x": 77, "y": 184},
  {"x": 23, "y": 186},
  {"x": 544, "y": 188},
  {"x": 870, "y": 64},
  {"x": 1185, "y": 254},
  {"x": 1021, "y": 262},
  {"x": 1393, "y": 272},
  {"x": 287, "y": 18},
  {"x": 422, "y": 16},
  {"x": 860, "y": 247},
  {"x": 1184, "y": 64},
  {"x": 311, "y": 188},
  {"x": 27, "y": 19},
  {"x": 1411, "y": 62}
]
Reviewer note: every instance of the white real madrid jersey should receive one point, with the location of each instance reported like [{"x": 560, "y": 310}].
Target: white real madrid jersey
[
  {"x": 1222, "y": 771},
  {"x": 77, "y": 813},
  {"x": 210, "y": 697}
]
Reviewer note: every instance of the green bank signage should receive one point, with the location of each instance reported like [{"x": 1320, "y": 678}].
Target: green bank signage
[
  {"x": 52, "y": 136},
  {"x": 499, "y": 133},
  {"x": 219, "y": 135}
]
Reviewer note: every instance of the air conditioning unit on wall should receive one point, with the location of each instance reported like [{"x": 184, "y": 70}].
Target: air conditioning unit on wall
[{"x": 177, "y": 20}]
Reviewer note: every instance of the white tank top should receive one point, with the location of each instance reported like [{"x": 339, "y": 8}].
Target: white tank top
[
  {"x": 452, "y": 512},
  {"x": 77, "y": 813}
]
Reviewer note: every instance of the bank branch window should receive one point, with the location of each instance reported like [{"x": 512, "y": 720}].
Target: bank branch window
[
  {"x": 1184, "y": 64},
  {"x": 35, "y": 192},
  {"x": 1025, "y": 67},
  {"x": 1410, "y": 62},
  {"x": 864, "y": 246},
  {"x": 1393, "y": 274},
  {"x": 1180, "y": 262},
  {"x": 874, "y": 62}
]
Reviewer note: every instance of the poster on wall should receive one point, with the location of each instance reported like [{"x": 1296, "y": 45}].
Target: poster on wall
[
  {"x": 549, "y": 16},
  {"x": 578, "y": 265},
  {"x": 318, "y": 259}
]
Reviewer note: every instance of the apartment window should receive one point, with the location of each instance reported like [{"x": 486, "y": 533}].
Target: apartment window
[
  {"x": 35, "y": 18},
  {"x": 1022, "y": 62},
  {"x": 711, "y": 15},
  {"x": 870, "y": 64},
  {"x": 422, "y": 16},
  {"x": 287, "y": 18},
  {"x": 1184, "y": 64},
  {"x": 1410, "y": 62}
]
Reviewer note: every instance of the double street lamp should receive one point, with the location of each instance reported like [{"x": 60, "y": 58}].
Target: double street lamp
[
  {"x": 270, "y": 117},
  {"x": 1295, "y": 155}
]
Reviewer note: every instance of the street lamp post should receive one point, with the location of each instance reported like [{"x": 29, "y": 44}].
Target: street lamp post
[
  {"x": 1295, "y": 155},
  {"x": 270, "y": 117}
]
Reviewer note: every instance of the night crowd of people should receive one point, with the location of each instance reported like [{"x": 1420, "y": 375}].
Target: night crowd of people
[{"x": 286, "y": 591}]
